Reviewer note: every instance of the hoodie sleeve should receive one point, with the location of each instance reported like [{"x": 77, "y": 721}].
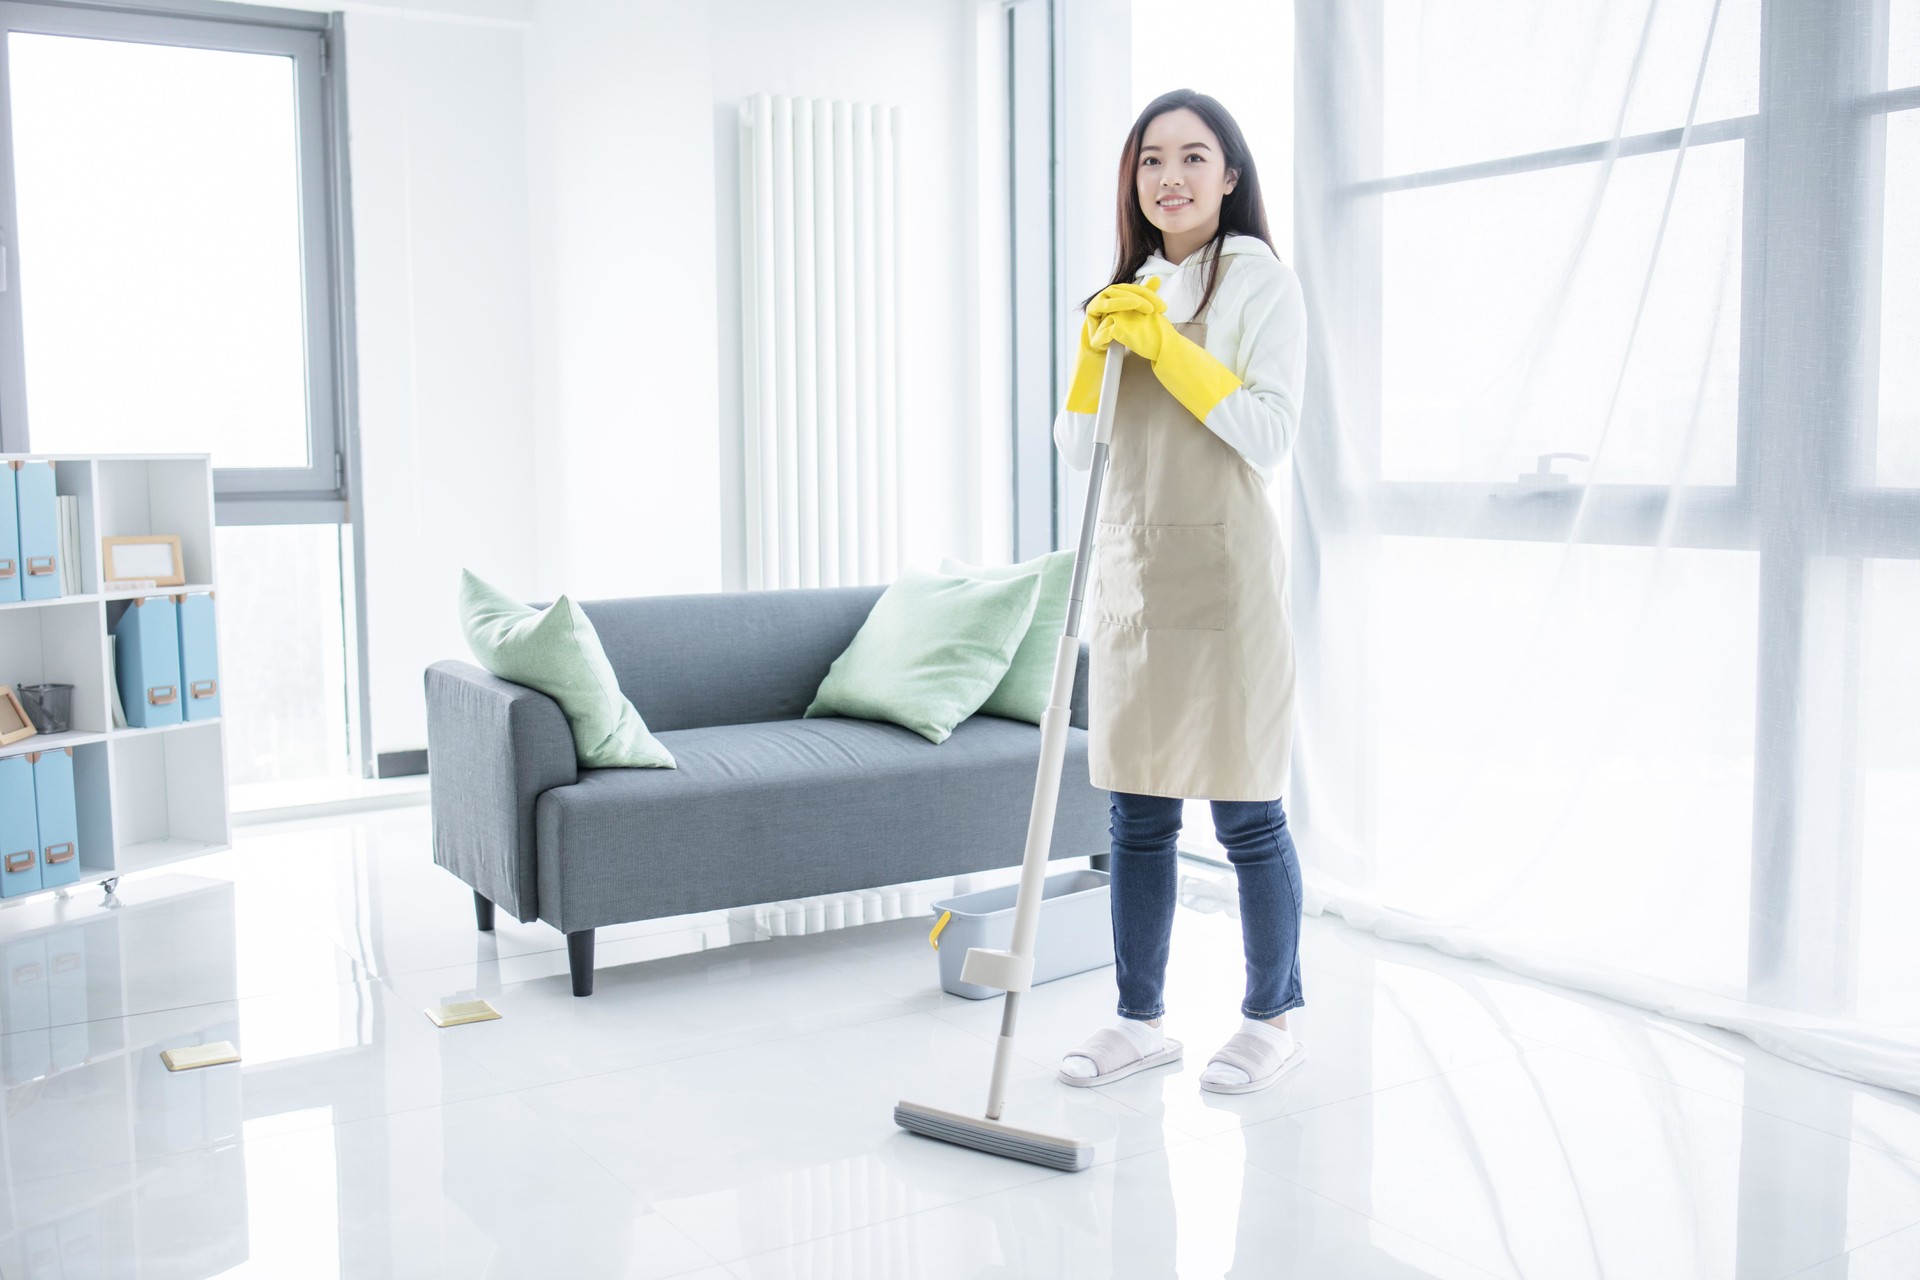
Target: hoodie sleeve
[
  {"x": 1073, "y": 436},
  {"x": 1261, "y": 419}
]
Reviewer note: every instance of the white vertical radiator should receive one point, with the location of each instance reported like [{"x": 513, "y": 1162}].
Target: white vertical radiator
[{"x": 820, "y": 276}]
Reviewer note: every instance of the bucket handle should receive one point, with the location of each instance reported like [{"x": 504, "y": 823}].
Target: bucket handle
[{"x": 933, "y": 939}]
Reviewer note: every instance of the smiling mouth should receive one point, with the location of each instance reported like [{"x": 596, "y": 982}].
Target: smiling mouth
[{"x": 1179, "y": 202}]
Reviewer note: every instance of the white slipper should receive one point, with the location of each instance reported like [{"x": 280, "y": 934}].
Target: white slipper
[
  {"x": 1259, "y": 1057},
  {"x": 1115, "y": 1057}
]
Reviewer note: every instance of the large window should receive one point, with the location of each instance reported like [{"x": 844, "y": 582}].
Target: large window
[
  {"x": 183, "y": 220},
  {"x": 173, "y": 251},
  {"x": 1498, "y": 344},
  {"x": 1616, "y": 446},
  {"x": 172, "y": 246}
]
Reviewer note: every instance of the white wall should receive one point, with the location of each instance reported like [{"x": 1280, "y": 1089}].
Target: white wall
[
  {"x": 624, "y": 240},
  {"x": 920, "y": 57},
  {"x": 546, "y": 226},
  {"x": 637, "y": 299},
  {"x": 437, "y": 147}
]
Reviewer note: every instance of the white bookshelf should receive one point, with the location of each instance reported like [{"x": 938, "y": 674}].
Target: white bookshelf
[{"x": 146, "y": 797}]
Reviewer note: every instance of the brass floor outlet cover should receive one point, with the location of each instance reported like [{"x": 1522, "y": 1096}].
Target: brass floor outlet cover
[
  {"x": 454, "y": 1015},
  {"x": 199, "y": 1055}
]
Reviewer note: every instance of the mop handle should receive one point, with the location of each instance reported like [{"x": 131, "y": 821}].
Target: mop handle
[{"x": 1053, "y": 732}]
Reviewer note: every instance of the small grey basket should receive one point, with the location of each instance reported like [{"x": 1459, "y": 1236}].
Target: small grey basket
[
  {"x": 1076, "y": 929},
  {"x": 48, "y": 706}
]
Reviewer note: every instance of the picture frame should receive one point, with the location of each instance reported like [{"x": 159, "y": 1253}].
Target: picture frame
[
  {"x": 14, "y": 724},
  {"x": 150, "y": 557}
]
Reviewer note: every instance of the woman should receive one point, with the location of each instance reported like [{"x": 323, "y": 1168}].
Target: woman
[{"x": 1191, "y": 676}]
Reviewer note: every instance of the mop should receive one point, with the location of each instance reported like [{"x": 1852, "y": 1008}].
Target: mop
[{"x": 1011, "y": 971}]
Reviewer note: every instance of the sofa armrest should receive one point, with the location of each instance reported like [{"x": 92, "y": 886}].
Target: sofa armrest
[
  {"x": 1079, "y": 720},
  {"x": 492, "y": 747}
]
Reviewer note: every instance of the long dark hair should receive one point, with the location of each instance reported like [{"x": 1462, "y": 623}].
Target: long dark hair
[{"x": 1242, "y": 212}]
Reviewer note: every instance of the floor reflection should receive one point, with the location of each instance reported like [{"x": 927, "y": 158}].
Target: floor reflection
[
  {"x": 724, "y": 1100},
  {"x": 88, "y": 1103}
]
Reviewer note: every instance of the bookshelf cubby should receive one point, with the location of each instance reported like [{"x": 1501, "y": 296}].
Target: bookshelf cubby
[{"x": 146, "y": 797}]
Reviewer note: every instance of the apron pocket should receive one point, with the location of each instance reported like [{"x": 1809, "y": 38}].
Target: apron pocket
[{"x": 1163, "y": 576}]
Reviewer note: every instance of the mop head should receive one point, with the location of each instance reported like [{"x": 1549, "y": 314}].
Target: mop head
[{"x": 994, "y": 1137}]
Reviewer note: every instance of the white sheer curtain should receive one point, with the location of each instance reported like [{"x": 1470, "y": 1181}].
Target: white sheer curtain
[{"x": 1644, "y": 721}]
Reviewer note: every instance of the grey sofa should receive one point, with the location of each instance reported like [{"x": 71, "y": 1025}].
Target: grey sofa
[{"x": 765, "y": 805}]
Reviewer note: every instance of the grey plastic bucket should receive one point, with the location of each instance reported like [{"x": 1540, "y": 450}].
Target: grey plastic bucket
[{"x": 1076, "y": 929}]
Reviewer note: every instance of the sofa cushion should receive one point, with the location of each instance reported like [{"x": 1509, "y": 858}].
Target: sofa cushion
[
  {"x": 789, "y": 809},
  {"x": 1023, "y": 692},
  {"x": 933, "y": 649},
  {"x": 556, "y": 651}
]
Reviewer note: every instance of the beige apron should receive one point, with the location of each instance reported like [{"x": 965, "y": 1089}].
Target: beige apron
[{"x": 1190, "y": 679}]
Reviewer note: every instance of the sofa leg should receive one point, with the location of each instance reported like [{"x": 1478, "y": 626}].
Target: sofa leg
[
  {"x": 482, "y": 912},
  {"x": 580, "y": 961}
]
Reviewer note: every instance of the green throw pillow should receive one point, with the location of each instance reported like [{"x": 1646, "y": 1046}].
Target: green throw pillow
[
  {"x": 1024, "y": 690},
  {"x": 930, "y": 652},
  {"x": 557, "y": 651}
]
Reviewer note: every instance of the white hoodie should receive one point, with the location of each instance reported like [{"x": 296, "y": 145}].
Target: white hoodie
[{"x": 1257, "y": 327}]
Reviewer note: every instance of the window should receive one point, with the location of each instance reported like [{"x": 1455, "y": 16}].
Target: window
[
  {"x": 1465, "y": 286},
  {"x": 1640, "y": 371},
  {"x": 173, "y": 257},
  {"x": 289, "y": 720},
  {"x": 173, "y": 252},
  {"x": 1722, "y": 339}
]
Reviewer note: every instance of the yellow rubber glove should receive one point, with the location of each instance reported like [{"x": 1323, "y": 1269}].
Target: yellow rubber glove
[
  {"x": 1115, "y": 298},
  {"x": 1185, "y": 368},
  {"x": 1083, "y": 394}
]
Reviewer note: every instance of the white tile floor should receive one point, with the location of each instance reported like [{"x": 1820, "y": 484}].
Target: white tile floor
[{"x": 721, "y": 1107}]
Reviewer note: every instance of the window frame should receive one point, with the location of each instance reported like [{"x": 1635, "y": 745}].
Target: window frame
[{"x": 1034, "y": 267}]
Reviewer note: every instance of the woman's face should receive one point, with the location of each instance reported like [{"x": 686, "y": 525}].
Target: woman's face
[{"x": 1182, "y": 176}]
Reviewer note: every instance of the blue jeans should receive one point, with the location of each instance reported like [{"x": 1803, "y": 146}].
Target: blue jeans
[{"x": 1145, "y": 880}]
